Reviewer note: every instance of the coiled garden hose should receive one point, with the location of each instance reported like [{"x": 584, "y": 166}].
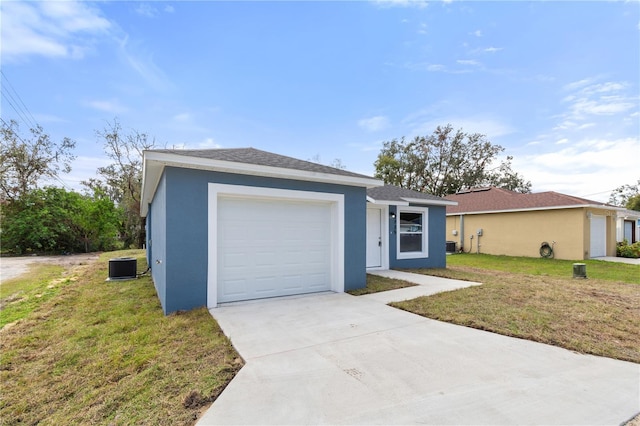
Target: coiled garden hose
[{"x": 546, "y": 250}]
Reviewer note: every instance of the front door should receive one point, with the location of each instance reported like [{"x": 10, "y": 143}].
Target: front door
[
  {"x": 374, "y": 238},
  {"x": 629, "y": 235}
]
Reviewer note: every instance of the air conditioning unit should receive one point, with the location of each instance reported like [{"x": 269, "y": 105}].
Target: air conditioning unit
[{"x": 122, "y": 268}]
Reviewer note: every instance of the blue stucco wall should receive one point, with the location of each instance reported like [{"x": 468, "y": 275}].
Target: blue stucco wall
[
  {"x": 437, "y": 256},
  {"x": 186, "y": 209},
  {"x": 156, "y": 239}
]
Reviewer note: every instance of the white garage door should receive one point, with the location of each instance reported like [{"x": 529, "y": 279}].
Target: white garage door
[
  {"x": 269, "y": 248},
  {"x": 598, "y": 236}
]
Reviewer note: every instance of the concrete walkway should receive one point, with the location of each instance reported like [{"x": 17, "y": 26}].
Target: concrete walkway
[
  {"x": 333, "y": 358},
  {"x": 626, "y": 260}
]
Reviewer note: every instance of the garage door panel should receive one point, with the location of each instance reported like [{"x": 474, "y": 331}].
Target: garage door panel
[
  {"x": 292, "y": 282},
  {"x": 234, "y": 260},
  {"x": 232, "y": 288},
  {"x": 265, "y": 258},
  {"x": 265, "y": 286},
  {"x": 270, "y": 248}
]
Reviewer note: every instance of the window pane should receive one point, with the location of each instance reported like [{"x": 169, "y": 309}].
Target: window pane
[
  {"x": 410, "y": 222},
  {"x": 410, "y": 232},
  {"x": 410, "y": 242}
]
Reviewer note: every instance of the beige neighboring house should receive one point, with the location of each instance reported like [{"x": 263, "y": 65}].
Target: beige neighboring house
[{"x": 502, "y": 222}]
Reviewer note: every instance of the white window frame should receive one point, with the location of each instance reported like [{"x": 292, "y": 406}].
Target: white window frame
[{"x": 425, "y": 233}]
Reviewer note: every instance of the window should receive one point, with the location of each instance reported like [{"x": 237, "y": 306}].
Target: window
[{"x": 412, "y": 230}]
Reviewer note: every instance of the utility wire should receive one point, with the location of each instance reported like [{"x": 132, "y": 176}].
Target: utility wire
[
  {"x": 4, "y": 124},
  {"x": 56, "y": 177},
  {"x": 24, "y": 112}
]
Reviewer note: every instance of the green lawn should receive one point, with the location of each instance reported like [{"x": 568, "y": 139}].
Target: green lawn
[
  {"x": 102, "y": 352},
  {"x": 376, "y": 283},
  {"x": 20, "y": 296},
  {"x": 537, "y": 299},
  {"x": 599, "y": 269}
]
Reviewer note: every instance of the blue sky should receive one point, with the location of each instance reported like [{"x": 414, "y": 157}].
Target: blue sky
[{"x": 555, "y": 83}]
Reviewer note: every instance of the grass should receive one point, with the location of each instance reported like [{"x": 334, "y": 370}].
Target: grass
[
  {"x": 102, "y": 352},
  {"x": 21, "y": 296},
  {"x": 537, "y": 299},
  {"x": 599, "y": 269},
  {"x": 376, "y": 283}
]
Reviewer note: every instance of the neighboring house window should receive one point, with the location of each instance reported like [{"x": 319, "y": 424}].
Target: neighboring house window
[{"x": 412, "y": 232}]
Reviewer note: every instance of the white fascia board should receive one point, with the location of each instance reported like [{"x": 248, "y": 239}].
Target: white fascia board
[
  {"x": 628, "y": 214},
  {"x": 151, "y": 173},
  {"x": 430, "y": 202},
  {"x": 532, "y": 209},
  {"x": 386, "y": 202}
]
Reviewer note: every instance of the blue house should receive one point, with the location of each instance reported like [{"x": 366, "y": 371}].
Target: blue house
[{"x": 226, "y": 225}]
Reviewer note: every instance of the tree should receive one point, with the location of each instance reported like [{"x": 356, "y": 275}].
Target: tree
[
  {"x": 336, "y": 163},
  {"x": 627, "y": 196},
  {"x": 52, "y": 219},
  {"x": 122, "y": 180},
  {"x": 446, "y": 162},
  {"x": 24, "y": 160}
]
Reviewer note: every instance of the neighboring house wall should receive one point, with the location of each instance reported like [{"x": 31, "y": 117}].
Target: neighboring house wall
[
  {"x": 184, "y": 264},
  {"x": 628, "y": 227},
  {"x": 522, "y": 233},
  {"x": 435, "y": 239},
  {"x": 610, "y": 232}
]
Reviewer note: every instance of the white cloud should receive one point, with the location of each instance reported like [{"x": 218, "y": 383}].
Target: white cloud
[
  {"x": 111, "y": 106},
  {"x": 149, "y": 11},
  {"x": 51, "y": 29},
  {"x": 587, "y": 167},
  {"x": 578, "y": 84},
  {"x": 422, "y": 123},
  {"x": 402, "y": 3},
  {"x": 493, "y": 49},
  {"x": 374, "y": 124},
  {"x": 182, "y": 117},
  {"x": 562, "y": 141},
  {"x": 468, "y": 62},
  {"x": 589, "y": 99},
  {"x": 209, "y": 143},
  {"x": 145, "y": 9},
  {"x": 82, "y": 169},
  {"x": 436, "y": 67},
  {"x": 144, "y": 65},
  {"x": 477, "y": 33}
]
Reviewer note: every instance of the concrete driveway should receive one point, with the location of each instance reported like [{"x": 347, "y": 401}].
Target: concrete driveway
[{"x": 339, "y": 359}]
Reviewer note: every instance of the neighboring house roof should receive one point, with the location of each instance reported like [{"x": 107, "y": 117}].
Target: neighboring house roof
[
  {"x": 493, "y": 200},
  {"x": 248, "y": 161},
  {"x": 391, "y": 194}
]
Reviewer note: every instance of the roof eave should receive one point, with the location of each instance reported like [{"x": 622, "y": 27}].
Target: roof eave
[
  {"x": 387, "y": 202},
  {"x": 155, "y": 162},
  {"x": 576, "y": 206},
  {"x": 432, "y": 202}
]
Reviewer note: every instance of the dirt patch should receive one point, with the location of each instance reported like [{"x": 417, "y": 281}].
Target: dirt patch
[{"x": 12, "y": 267}]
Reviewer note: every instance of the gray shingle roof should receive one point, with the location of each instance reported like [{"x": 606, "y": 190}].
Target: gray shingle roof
[
  {"x": 395, "y": 193},
  {"x": 260, "y": 158}
]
